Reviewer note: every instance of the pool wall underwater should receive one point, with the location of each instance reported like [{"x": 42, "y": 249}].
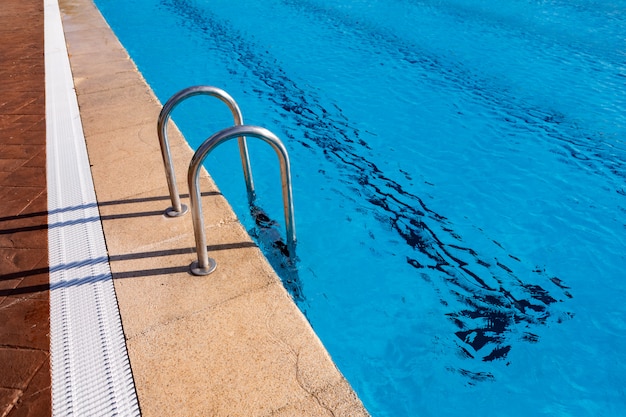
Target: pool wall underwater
[{"x": 459, "y": 184}]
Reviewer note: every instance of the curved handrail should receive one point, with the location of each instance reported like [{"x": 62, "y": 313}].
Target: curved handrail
[
  {"x": 206, "y": 265},
  {"x": 177, "y": 208}
]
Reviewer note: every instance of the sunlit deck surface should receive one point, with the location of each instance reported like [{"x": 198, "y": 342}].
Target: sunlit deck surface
[
  {"x": 232, "y": 343},
  {"x": 24, "y": 295}
]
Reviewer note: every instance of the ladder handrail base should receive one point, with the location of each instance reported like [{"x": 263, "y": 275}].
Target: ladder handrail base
[
  {"x": 198, "y": 271},
  {"x": 172, "y": 212}
]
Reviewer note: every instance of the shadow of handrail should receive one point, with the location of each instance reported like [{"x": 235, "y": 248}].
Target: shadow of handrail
[
  {"x": 23, "y": 274},
  {"x": 99, "y": 204},
  {"x": 115, "y": 275},
  {"x": 180, "y": 251},
  {"x": 33, "y": 228},
  {"x": 83, "y": 220}
]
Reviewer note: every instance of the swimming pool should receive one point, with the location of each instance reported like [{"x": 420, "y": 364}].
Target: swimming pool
[{"x": 459, "y": 184}]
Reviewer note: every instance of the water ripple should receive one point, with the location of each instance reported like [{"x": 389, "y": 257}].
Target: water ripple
[{"x": 496, "y": 303}]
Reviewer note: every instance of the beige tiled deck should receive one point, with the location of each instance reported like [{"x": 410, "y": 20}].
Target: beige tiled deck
[{"x": 230, "y": 344}]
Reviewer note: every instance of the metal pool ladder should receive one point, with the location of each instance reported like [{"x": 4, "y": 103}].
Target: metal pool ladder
[
  {"x": 206, "y": 265},
  {"x": 177, "y": 208}
]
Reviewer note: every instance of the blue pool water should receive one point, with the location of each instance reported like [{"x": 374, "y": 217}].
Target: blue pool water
[{"x": 459, "y": 184}]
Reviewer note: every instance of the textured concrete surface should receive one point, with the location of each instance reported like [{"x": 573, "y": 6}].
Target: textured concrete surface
[{"x": 229, "y": 344}]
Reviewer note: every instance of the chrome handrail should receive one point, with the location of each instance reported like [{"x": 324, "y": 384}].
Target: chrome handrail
[
  {"x": 206, "y": 265},
  {"x": 177, "y": 208}
]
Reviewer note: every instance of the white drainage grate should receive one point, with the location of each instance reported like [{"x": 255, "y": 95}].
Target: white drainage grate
[{"x": 91, "y": 374}]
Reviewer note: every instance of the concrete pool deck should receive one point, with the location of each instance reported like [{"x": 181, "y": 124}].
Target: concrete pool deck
[{"x": 229, "y": 344}]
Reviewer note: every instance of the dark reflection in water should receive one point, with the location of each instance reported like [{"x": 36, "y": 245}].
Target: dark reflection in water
[
  {"x": 267, "y": 234},
  {"x": 489, "y": 301}
]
